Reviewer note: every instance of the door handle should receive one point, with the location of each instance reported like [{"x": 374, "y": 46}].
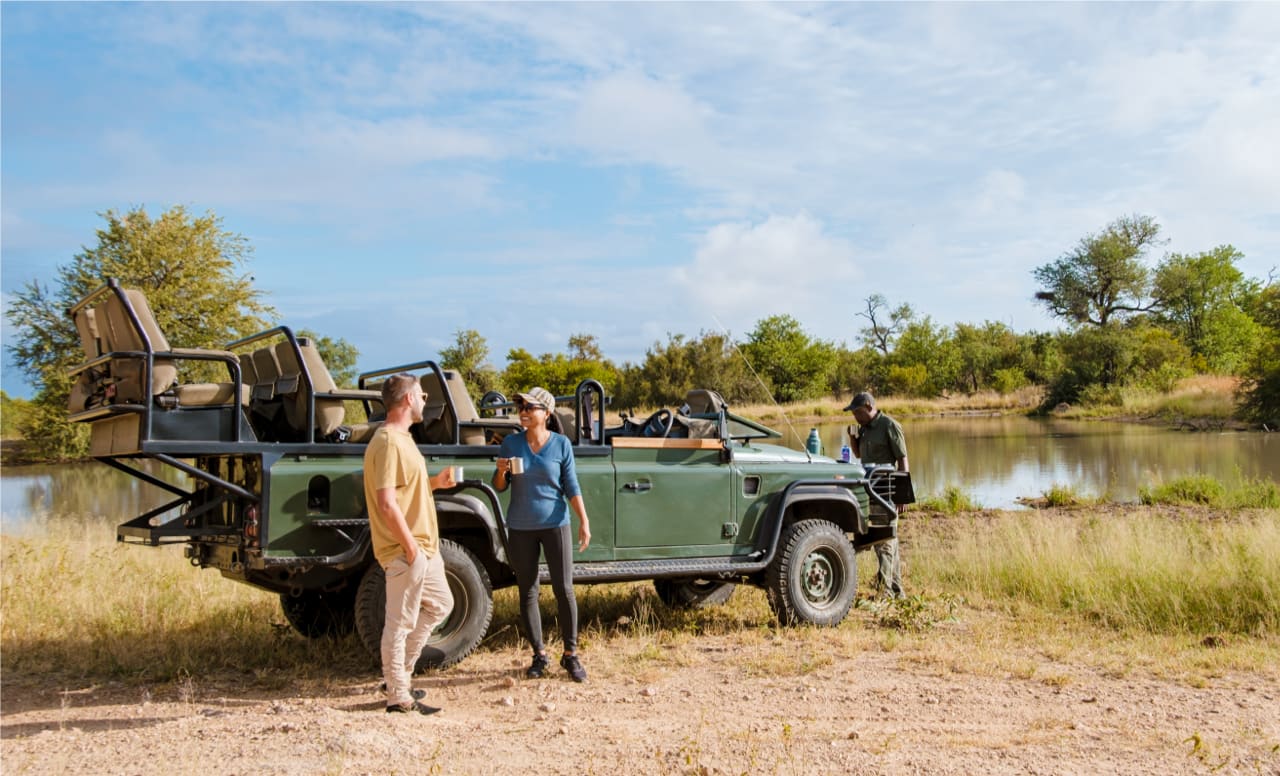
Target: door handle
[{"x": 638, "y": 486}]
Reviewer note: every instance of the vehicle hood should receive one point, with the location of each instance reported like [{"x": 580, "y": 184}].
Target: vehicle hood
[{"x": 777, "y": 454}]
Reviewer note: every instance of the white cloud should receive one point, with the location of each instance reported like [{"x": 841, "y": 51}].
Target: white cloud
[{"x": 743, "y": 272}]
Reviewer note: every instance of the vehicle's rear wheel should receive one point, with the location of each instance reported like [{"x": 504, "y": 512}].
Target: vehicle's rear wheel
[
  {"x": 692, "y": 593},
  {"x": 318, "y": 614},
  {"x": 813, "y": 579},
  {"x": 462, "y": 630}
]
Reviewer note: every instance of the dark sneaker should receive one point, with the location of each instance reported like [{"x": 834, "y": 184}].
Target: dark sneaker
[
  {"x": 571, "y": 664},
  {"x": 421, "y": 708},
  {"x": 538, "y": 668}
]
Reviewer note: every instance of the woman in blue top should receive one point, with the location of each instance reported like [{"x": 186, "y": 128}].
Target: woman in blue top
[{"x": 538, "y": 520}]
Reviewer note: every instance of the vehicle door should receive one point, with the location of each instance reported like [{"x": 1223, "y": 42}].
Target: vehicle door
[{"x": 674, "y": 499}]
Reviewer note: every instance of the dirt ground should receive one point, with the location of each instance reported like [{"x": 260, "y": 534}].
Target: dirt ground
[{"x": 701, "y": 712}]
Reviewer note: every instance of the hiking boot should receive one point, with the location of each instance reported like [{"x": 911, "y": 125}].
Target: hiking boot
[
  {"x": 538, "y": 668},
  {"x": 571, "y": 664},
  {"x": 405, "y": 708}
]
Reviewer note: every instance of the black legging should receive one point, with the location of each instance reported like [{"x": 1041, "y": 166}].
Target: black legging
[{"x": 557, "y": 545}]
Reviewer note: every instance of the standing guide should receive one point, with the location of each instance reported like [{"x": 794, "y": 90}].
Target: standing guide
[
  {"x": 406, "y": 540},
  {"x": 878, "y": 439}
]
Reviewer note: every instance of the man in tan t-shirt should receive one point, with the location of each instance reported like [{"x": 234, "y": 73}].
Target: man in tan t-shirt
[{"x": 406, "y": 540}]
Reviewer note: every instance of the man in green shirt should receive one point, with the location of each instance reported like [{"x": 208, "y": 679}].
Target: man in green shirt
[{"x": 878, "y": 439}]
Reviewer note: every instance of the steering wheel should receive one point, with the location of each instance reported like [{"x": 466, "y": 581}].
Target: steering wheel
[{"x": 659, "y": 423}]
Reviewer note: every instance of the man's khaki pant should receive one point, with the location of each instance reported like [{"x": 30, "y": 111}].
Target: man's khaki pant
[{"x": 418, "y": 599}]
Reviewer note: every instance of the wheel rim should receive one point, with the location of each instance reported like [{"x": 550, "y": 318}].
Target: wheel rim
[{"x": 820, "y": 576}]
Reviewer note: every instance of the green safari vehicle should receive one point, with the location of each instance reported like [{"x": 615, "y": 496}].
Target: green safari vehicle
[{"x": 696, "y": 499}]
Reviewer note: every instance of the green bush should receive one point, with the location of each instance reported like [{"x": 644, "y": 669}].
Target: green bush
[{"x": 1006, "y": 381}]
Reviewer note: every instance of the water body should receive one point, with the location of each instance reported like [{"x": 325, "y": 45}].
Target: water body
[{"x": 996, "y": 460}]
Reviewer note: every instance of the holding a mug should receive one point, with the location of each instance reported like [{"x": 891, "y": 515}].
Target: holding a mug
[{"x": 537, "y": 464}]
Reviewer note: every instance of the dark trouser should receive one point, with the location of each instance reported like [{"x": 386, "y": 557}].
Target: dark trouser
[
  {"x": 557, "y": 545},
  {"x": 889, "y": 576}
]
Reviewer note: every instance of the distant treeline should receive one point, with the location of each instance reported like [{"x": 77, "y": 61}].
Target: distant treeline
[{"x": 1128, "y": 322}]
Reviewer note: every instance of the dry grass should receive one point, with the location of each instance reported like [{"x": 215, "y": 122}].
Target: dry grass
[
  {"x": 1187, "y": 596},
  {"x": 1202, "y": 401},
  {"x": 986, "y": 402}
]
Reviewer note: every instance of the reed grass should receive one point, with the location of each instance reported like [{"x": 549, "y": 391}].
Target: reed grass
[
  {"x": 1135, "y": 572},
  {"x": 1203, "y": 490},
  {"x": 1148, "y": 586},
  {"x": 1201, "y": 400}
]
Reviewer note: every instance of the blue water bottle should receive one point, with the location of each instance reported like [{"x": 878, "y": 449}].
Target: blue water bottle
[
  {"x": 846, "y": 454},
  {"x": 814, "y": 445}
]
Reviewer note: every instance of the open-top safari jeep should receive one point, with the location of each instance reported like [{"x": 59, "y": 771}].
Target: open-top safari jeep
[{"x": 694, "y": 499}]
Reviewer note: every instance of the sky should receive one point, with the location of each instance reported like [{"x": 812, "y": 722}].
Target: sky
[{"x": 534, "y": 171}]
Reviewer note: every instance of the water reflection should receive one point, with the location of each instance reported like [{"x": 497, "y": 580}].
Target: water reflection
[
  {"x": 92, "y": 492},
  {"x": 999, "y": 459},
  {"x": 995, "y": 460}
]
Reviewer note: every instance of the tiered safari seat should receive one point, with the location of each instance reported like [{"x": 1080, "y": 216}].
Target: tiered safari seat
[
  {"x": 131, "y": 375},
  {"x": 439, "y": 425}
]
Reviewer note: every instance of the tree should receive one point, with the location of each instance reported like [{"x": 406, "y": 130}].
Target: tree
[
  {"x": 1103, "y": 278},
  {"x": 886, "y": 324},
  {"x": 792, "y": 364},
  {"x": 1259, "y": 394},
  {"x": 189, "y": 267},
  {"x": 469, "y": 355},
  {"x": 1201, "y": 300},
  {"x": 927, "y": 361},
  {"x": 984, "y": 351},
  {"x": 557, "y": 372},
  {"x": 671, "y": 370}
]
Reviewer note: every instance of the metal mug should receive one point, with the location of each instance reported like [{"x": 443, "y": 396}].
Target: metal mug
[{"x": 517, "y": 465}]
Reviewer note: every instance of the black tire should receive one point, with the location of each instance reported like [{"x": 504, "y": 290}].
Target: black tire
[
  {"x": 813, "y": 579},
  {"x": 693, "y": 593},
  {"x": 462, "y": 630},
  {"x": 317, "y": 614}
]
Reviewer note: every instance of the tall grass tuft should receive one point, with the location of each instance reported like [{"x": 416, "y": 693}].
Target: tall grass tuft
[
  {"x": 1131, "y": 572},
  {"x": 1203, "y": 490},
  {"x": 953, "y": 500}
]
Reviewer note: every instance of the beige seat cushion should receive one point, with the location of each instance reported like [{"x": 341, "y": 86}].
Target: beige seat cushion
[{"x": 208, "y": 394}]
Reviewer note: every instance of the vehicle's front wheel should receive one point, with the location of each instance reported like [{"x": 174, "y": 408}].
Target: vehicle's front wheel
[
  {"x": 317, "y": 614},
  {"x": 813, "y": 578},
  {"x": 692, "y": 593},
  {"x": 462, "y": 630}
]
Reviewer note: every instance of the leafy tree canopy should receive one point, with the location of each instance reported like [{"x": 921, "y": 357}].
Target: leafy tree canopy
[
  {"x": 793, "y": 365},
  {"x": 189, "y": 267},
  {"x": 1201, "y": 299},
  {"x": 469, "y": 355},
  {"x": 1104, "y": 278}
]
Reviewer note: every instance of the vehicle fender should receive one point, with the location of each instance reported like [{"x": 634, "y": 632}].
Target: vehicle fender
[
  {"x": 835, "y": 495},
  {"x": 464, "y": 510}
]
